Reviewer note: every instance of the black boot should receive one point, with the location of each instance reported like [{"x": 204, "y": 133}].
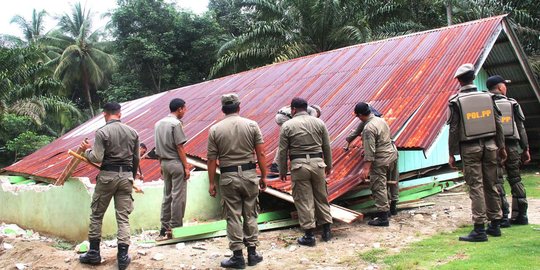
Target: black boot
[
  {"x": 123, "y": 256},
  {"x": 253, "y": 257},
  {"x": 308, "y": 239},
  {"x": 494, "y": 228},
  {"x": 505, "y": 222},
  {"x": 236, "y": 261},
  {"x": 326, "y": 233},
  {"x": 381, "y": 220},
  {"x": 92, "y": 256},
  {"x": 521, "y": 218},
  {"x": 478, "y": 234},
  {"x": 274, "y": 168},
  {"x": 393, "y": 208}
]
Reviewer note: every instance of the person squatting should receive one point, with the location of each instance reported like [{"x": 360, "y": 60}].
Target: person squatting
[{"x": 486, "y": 130}]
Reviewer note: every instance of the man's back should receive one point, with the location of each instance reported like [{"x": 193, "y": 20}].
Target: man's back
[
  {"x": 377, "y": 131},
  {"x": 305, "y": 133},
  {"x": 233, "y": 140},
  {"x": 119, "y": 143},
  {"x": 168, "y": 133}
]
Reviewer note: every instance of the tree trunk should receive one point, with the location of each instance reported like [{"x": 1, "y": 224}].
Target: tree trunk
[
  {"x": 449, "y": 12},
  {"x": 86, "y": 85}
]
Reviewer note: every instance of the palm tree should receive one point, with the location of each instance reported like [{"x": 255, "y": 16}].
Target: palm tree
[
  {"x": 291, "y": 28},
  {"x": 28, "y": 88},
  {"x": 32, "y": 29},
  {"x": 82, "y": 63}
]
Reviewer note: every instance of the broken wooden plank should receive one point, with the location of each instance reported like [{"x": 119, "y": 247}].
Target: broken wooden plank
[
  {"x": 339, "y": 213},
  {"x": 81, "y": 158},
  {"x": 211, "y": 227},
  {"x": 364, "y": 191},
  {"x": 399, "y": 207},
  {"x": 278, "y": 224},
  {"x": 70, "y": 168}
]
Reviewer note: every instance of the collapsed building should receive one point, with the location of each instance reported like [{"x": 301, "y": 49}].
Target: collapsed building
[{"x": 407, "y": 78}]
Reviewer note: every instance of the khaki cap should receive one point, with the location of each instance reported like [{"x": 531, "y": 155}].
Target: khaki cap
[
  {"x": 230, "y": 99},
  {"x": 464, "y": 69}
]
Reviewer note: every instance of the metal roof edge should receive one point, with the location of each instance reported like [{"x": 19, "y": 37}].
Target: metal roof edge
[
  {"x": 524, "y": 63},
  {"x": 499, "y": 17}
]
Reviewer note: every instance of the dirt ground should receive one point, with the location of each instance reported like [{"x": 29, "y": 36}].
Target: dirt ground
[{"x": 278, "y": 247}]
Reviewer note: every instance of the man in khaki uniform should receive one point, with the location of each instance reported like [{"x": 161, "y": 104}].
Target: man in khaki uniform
[
  {"x": 515, "y": 138},
  {"x": 393, "y": 172},
  {"x": 304, "y": 140},
  {"x": 380, "y": 157},
  {"x": 234, "y": 142},
  {"x": 116, "y": 147},
  {"x": 284, "y": 115},
  {"x": 476, "y": 134},
  {"x": 170, "y": 139}
]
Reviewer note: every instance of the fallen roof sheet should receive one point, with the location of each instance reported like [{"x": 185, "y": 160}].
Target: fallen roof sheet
[{"x": 407, "y": 78}]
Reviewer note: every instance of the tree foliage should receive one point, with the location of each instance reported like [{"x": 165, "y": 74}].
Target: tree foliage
[
  {"x": 160, "y": 47},
  {"x": 83, "y": 64}
]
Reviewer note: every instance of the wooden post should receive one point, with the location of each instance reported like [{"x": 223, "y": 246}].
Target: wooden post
[{"x": 72, "y": 165}]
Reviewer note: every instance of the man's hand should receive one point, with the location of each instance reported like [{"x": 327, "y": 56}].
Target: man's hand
[
  {"x": 186, "y": 174},
  {"x": 212, "y": 191},
  {"x": 502, "y": 155},
  {"x": 85, "y": 144},
  {"x": 327, "y": 170},
  {"x": 364, "y": 174},
  {"x": 526, "y": 156},
  {"x": 283, "y": 178},
  {"x": 452, "y": 162},
  {"x": 262, "y": 183},
  {"x": 346, "y": 147}
]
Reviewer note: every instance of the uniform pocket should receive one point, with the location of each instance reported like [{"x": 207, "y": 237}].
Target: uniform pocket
[
  {"x": 296, "y": 166},
  {"x": 130, "y": 207},
  {"x": 95, "y": 203},
  {"x": 491, "y": 145},
  {"x": 321, "y": 164},
  {"x": 225, "y": 179}
]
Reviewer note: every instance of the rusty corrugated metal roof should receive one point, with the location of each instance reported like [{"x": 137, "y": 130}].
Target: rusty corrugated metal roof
[{"x": 399, "y": 76}]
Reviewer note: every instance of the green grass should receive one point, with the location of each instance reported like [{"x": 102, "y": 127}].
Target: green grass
[
  {"x": 518, "y": 248},
  {"x": 63, "y": 245},
  {"x": 372, "y": 256},
  {"x": 531, "y": 182}
]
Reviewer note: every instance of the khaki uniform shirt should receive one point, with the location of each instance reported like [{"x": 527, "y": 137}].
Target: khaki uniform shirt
[
  {"x": 232, "y": 141},
  {"x": 377, "y": 142},
  {"x": 168, "y": 134},
  {"x": 356, "y": 132},
  {"x": 115, "y": 144},
  {"x": 304, "y": 134},
  {"x": 454, "y": 121}
]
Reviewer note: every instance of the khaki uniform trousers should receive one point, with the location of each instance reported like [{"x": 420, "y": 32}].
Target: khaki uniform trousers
[
  {"x": 377, "y": 183},
  {"x": 393, "y": 175},
  {"x": 108, "y": 185},
  {"x": 173, "y": 205},
  {"x": 480, "y": 172},
  {"x": 240, "y": 193},
  {"x": 512, "y": 166},
  {"x": 310, "y": 192}
]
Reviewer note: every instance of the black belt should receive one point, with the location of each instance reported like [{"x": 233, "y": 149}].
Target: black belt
[
  {"x": 245, "y": 167},
  {"x": 116, "y": 168},
  {"x": 315, "y": 155}
]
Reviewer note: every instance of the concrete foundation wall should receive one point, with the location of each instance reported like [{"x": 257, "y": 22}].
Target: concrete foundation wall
[{"x": 64, "y": 211}]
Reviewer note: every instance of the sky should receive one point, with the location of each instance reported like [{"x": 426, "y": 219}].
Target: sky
[{"x": 59, "y": 7}]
